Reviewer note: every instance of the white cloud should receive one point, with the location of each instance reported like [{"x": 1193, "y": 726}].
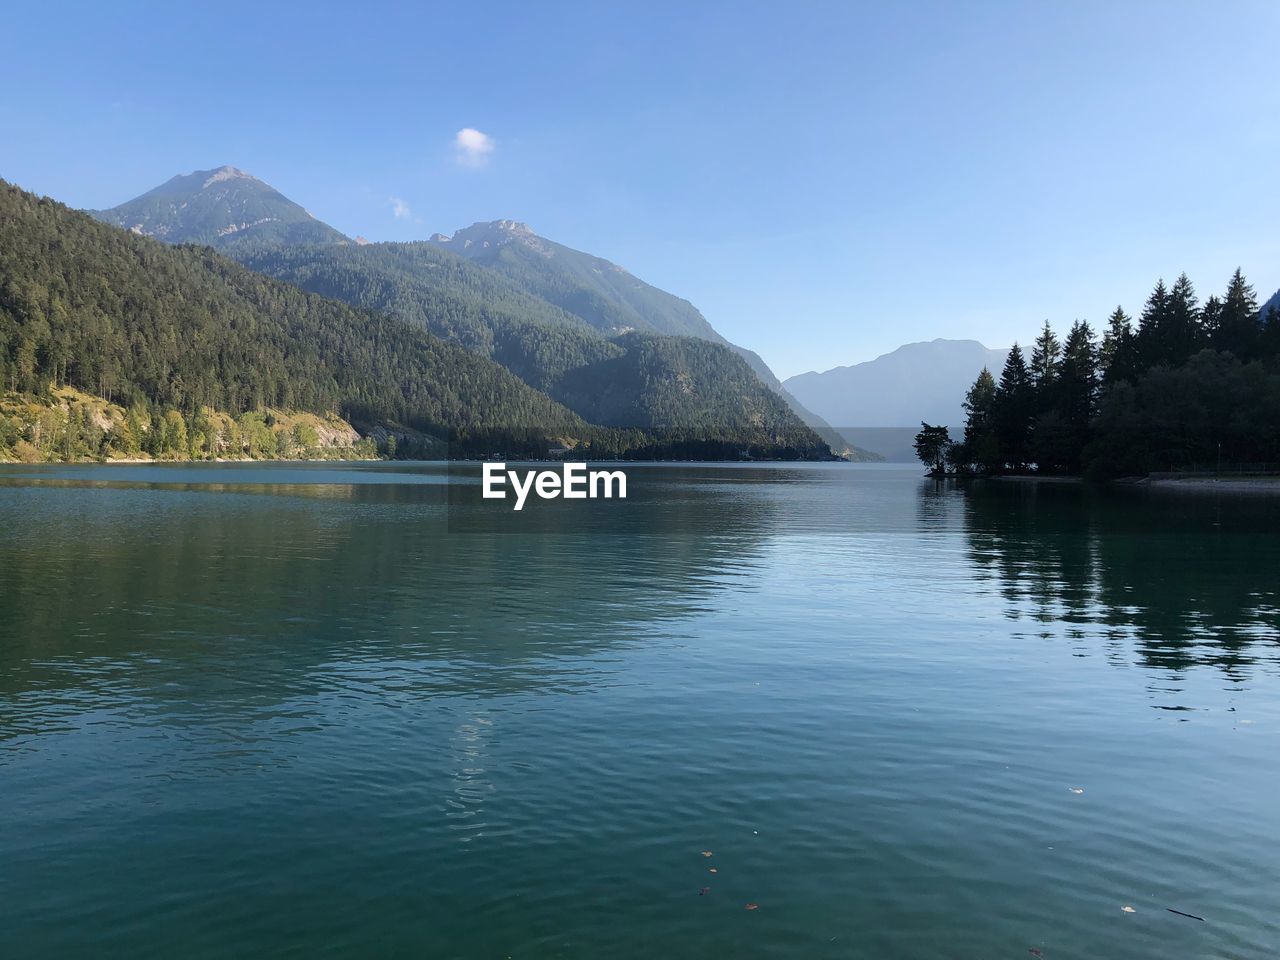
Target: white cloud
[
  {"x": 399, "y": 208},
  {"x": 473, "y": 147}
]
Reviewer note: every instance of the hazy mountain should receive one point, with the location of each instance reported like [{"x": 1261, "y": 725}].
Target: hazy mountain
[
  {"x": 918, "y": 381},
  {"x": 221, "y": 208}
]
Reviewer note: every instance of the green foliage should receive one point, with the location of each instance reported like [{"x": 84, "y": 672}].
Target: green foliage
[
  {"x": 933, "y": 446},
  {"x": 1193, "y": 386},
  {"x": 141, "y": 323}
]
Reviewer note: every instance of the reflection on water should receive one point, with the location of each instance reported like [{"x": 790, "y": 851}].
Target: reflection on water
[
  {"x": 1185, "y": 581},
  {"x": 349, "y": 710}
]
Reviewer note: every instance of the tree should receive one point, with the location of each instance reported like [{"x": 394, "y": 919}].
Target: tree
[
  {"x": 1014, "y": 410},
  {"x": 1153, "y": 328},
  {"x": 1077, "y": 398},
  {"x": 1044, "y": 365},
  {"x": 1183, "y": 335},
  {"x": 932, "y": 446},
  {"x": 1238, "y": 326},
  {"x": 1118, "y": 356}
]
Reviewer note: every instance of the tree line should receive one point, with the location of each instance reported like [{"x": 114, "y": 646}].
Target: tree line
[{"x": 1191, "y": 384}]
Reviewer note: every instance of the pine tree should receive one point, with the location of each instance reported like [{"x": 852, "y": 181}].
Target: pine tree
[
  {"x": 1152, "y": 328},
  {"x": 1014, "y": 410},
  {"x": 980, "y": 445},
  {"x": 1239, "y": 328},
  {"x": 1045, "y": 357},
  {"x": 1077, "y": 393},
  {"x": 1118, "y": 356},
  {"x": 1183, "y": 335}
]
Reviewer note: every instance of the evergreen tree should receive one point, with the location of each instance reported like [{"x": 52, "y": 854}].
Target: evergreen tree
[
  {"x": 980, "y": 446},
  {"x": 1045, "y": 356},
  {"x": 1015, "y": 410},
  {"x": 1118, "y": 357},
  {"x": 1077, "y": 394},
  {"x": 1152, "y": 328},
  {"x": 1182, "y": 335},
  {"x": 1238, "y": 328}
]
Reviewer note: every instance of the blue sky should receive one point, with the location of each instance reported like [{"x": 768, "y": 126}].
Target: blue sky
[{"x": 825, "y": 181}]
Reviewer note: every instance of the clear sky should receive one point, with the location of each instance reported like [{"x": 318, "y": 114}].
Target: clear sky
[{"x": 825, "y": 181}]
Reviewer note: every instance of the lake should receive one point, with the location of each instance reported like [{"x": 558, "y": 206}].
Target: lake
[{"x": 319, "y": 710}]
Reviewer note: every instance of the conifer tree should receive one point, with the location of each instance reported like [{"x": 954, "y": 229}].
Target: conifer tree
[
  {"x": 1118, "y": 356},
  {"x": 1182, "y": 334},
  {"x": 1045, "y": 356},
  {"x": 1239, "y": 328},
  {"x": 1015, "y": 410},
  {"x": 1152, "y": 328}
]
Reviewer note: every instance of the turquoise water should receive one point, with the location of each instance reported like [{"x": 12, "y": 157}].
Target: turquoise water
[{"x": 332, "y": 711}]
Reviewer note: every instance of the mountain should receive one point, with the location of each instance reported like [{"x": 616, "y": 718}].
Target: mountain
[
  {"x": 601, "y": 293},
  {"x": 136, "y": 322},
  {"x": 552, "y": 320},
  {"x": 109, "y": 312},
  {"x": 221, "y": 208},
  {"x": 919, "y": 381},
  {"x": 608, "y": 298},
  {"x": 1273, "y": 302}
]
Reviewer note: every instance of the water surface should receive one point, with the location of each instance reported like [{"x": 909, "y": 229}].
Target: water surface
[{"x": 329, "y": 710}]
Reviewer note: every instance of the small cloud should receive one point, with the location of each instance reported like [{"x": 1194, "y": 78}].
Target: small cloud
[
  {"x": 399, "y": 208},
  {"x": 473, "y": 147}
]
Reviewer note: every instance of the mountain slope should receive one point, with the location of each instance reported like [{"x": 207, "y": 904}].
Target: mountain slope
[
  {"x": 601, "y": 293},
  {"x": 116, "y": 314},
  {"x": 636, "y": 380},
  {"x": 608, "y": 298},
  {"x": 221, "y": 208},
  {"x": 918, "y": 381}
]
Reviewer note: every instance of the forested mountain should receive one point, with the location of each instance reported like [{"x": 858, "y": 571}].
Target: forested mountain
[
  {"x": 917, "y": 381},
  {"x": 635, "y": 380},
  {"x": 553, "y": 321},
  {"x": 221, "y": 208},
  {"x": 134, "y": 321},
  {"x": 182, "y": 328}
]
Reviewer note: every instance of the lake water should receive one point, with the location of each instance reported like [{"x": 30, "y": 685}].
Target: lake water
[{"x": 332, "y": 711}]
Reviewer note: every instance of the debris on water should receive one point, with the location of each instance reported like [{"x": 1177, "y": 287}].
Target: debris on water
[
  {"x": 706, "y": 853},
  {"x": 1034, "y": 951},
  {"x": 713, "y": 870},
  {"x": 1077, "y": 789},
  {"x": 1181, "y": 914},
  {"x": 704, "y": 891},
  {"x": 753, "y": 906},
  {"x": 756, "y": 832},
  {"x": 1128, "y": 909}
]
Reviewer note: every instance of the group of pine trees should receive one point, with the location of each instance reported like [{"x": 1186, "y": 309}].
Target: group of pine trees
[{"x": 1193, "y": 384}]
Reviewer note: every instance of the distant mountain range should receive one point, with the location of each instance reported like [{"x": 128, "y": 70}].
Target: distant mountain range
[
  {"x": 554, "y": 316},
  {"x": 874, "y": 404}
]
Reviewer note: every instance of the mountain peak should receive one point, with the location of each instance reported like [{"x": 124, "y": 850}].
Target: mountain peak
[
  {"x": 225, "y": 173},
  {"x": 490, "y": 235},
  {"x": 219, "y": 206}
]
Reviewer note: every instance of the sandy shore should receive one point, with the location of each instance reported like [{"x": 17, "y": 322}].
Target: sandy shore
[{"x": 1255, "y": 485}]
